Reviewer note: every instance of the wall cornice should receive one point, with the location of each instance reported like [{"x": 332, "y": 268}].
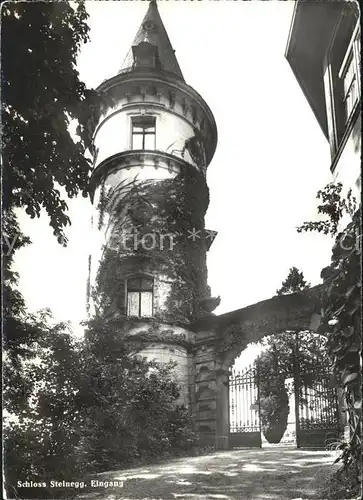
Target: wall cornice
[{"x": 137, "y": 158}]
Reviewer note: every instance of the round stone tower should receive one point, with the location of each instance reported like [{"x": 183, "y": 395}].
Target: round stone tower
[{"x": 153, "y": 142}]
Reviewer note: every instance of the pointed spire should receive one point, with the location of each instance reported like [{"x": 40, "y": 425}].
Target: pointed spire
[{"x": 152, "y": 33}]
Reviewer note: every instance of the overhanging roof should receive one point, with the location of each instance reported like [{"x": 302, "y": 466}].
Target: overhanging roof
[{"x": 311, "y": 30}]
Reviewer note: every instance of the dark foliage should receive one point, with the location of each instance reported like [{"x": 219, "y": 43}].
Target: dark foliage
[
  {"x": 48, "y": 377},
  {"x": 150, "y": 208},
  {"x": 77, "y": 407},
  {"x": 333, "y": 207},
  {"x": 294, "y": 283},
  {"x": 42, "y": 424},
  {"x": 274, "y": 399},
  {"x": 129, "y": 404},
  {"x": 286, "y": 355},
  {"x": 41, "y": 94},
  {"x": 306, "y": 349},
  {"x": 341, "y": 321}
]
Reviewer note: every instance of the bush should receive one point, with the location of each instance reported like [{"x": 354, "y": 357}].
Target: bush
[
  {"x": 75, "y": 408},
  {"x": 340, "y": 485},
  {"x": 274, "y": 400},
  {"x": 129, "y": 404},
  {"x": 42, "y": 429},
  {"x": 274, "y": 411}
]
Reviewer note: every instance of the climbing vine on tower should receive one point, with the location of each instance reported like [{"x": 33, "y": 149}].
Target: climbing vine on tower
[{"x": 175, "y": 208}]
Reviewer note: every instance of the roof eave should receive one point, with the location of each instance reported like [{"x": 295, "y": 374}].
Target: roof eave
[{"x": 310, "y": 33}]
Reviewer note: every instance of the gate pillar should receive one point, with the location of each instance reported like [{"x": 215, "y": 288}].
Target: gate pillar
[{"x": 210, "y": 413}]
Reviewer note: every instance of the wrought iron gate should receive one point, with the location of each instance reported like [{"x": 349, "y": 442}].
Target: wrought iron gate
[
  {"x": 244, "y": 420},
  {"x": 316, "y": 409}
]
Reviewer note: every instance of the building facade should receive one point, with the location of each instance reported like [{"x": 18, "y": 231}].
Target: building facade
[
  {"x": 323, "y": 50},
  {"x": 154, "y": 138}
]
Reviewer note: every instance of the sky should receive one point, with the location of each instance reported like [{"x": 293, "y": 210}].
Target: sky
[{"x": 271, "y": 156}]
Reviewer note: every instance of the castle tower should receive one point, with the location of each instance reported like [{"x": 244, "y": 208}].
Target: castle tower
[{"x": 153, "y": 142}]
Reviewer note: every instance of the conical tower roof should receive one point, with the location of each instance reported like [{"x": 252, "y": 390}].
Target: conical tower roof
[{"x": 152, "y": 31}]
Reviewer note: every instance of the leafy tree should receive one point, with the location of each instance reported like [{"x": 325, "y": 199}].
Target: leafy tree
[
  {"x": 307, "y": 348},
  {"x": 294, "y": 283},
  {"x": 333, "y": 207},
  {"x": 75, "y": 407},
  {"x": 41, "y": 94},
  {"x": 341, "y": 320},
  {"x": 284, "y": 354},
  {"x": 14, "y": 308},
  {"x": 42, "y": 426}
]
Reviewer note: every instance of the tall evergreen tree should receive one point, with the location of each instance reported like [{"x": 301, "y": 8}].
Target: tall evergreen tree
[{"x": 294, "y": 283}]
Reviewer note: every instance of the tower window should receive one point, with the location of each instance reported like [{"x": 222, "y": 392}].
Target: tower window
[
  {"x": 143, "y": 132},
  {"x": 140, "y": 297}
]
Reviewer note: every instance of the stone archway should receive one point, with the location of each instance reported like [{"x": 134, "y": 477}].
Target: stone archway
[{"x": 220, "y": 339}]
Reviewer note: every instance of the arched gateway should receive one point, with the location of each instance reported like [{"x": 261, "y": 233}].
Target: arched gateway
[{"x": 219, "y": 340}]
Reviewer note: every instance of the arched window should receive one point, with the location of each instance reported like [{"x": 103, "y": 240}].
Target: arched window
[{"x": 140, "y": 297}]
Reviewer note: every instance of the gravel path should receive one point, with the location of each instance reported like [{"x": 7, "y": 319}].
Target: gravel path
[{"x": 246, "y": 474}]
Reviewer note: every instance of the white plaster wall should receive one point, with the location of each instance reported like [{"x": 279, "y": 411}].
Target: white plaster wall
[
  {"x": 141, "y": 172},
  {"x": 348, "y": 168},
  {"x": 114, "y": 133},
  {"x": 113, "y": 136}
]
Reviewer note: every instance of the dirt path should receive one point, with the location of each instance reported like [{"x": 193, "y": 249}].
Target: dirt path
[{"x": 245, "y": 474}]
